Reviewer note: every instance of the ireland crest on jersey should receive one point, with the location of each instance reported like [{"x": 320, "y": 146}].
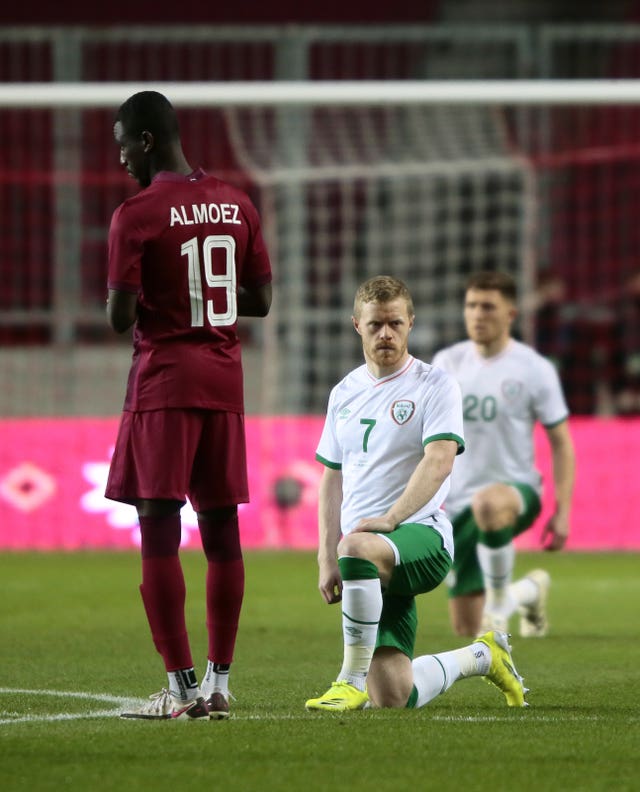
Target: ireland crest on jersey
[
  {"x": 511, "y": 389},
  {"x": 402, "y": 410}
]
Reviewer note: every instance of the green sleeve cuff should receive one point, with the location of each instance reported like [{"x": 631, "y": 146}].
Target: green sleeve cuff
[
  {"x": 326, "y": 463},
  {"x": 447, "y": 436},
  {"x": 555, "y": 423}
]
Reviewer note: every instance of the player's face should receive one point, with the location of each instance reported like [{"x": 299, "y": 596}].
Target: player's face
[
  {"x": 488, "y": 316},
  {"x": 133, "y": 155},
  {"x": 384, "y": 329}
]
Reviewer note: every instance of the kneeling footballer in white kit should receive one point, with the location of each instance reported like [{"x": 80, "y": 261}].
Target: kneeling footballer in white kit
[{"x": 392, "y": 431}]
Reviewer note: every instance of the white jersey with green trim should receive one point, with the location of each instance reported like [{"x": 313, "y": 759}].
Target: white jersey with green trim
[
  {"x": 375, "y": 432},
  {"x": 503, "y": 397}
]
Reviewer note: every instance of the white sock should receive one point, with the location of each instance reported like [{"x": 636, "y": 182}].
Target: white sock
[
  {"x": 361, "y": 609},
  {"x": 183, "y": 684},
  {"x": 434, "y": 674},
  {"x": 524, "y": 591},
  {"x": 215, "y": 680},
  {"x": 496, "y": 564}
]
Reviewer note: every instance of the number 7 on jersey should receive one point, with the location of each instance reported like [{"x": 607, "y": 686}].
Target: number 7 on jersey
[{"x": 369, "y": 423}]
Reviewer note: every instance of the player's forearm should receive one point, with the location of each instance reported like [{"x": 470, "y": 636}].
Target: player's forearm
[
  {"x": 255, "y": 302},
  {"x": 563, "y": 459},
  {"x": 329, "y": 505},
  {"x": 121, "y": 309},
  {"x": 426, "y": 480},
  {"x": 328, "y": 539},
  {"x": 422, "y": 486},
  {"x": 563, "y": 477}
]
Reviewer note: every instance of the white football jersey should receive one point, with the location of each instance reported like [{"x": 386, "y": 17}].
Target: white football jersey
[
  {"x": 375, "y": 432},
  {"x": 503, "y": 397}
]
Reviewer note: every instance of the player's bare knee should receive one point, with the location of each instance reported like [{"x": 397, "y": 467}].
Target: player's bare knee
[
  {"x": 369, "y": 547},
  {"x": 220, "y": 514},
  {"x": 495, "y": 506},
  {"x": 349, "y": 546},
  {"x": 356, "y": 545},
  {"x": 484, "y": 507}
]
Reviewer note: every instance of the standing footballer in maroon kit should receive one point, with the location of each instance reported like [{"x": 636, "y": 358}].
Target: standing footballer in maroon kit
[{"x": 186, "y": 258}]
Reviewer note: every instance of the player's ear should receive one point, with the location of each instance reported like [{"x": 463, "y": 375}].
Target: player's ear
[
  {"x": 356, "y": 325},
  {"x": 148, "y": 141}
]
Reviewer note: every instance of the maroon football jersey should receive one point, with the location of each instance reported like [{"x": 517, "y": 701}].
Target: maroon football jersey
[{"x": 184, "y": 244}]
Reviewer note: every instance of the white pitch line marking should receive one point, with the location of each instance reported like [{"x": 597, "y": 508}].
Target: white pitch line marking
[{"x": 120, "y": 702}]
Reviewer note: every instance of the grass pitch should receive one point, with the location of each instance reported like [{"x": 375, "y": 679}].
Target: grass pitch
[{"x": 74, "y": 645}]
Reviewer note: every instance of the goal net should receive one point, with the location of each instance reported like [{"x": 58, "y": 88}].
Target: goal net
[{"x": 425, "y": 181}]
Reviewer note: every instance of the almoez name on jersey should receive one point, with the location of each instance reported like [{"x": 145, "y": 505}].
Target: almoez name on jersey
[{"x": 204, "y": 213}]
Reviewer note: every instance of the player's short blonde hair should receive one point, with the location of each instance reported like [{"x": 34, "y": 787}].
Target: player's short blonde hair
[{"x": 382, "y": 289}]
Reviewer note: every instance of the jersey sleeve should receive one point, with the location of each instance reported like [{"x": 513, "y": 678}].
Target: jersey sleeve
[
  {"x": 549, "y": 403},
  {"x": 439, "y": 360},
  {"x": 257, "y": 266},
  {"x": 125, "y": 253},
  {"x": 442, "y": 418},
  {"x": 328, "y": 451}
]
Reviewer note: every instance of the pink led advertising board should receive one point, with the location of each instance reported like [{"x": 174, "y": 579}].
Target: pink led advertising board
[{"x": 53, "y": 472}]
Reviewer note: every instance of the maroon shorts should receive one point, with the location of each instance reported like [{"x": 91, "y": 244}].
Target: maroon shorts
[{"x": 180, "y": 453}]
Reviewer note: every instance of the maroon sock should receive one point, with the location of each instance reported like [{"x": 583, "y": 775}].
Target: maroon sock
[
  {"x": 225, "y": 582},
  {"x": 163, "y": 590},
  {"x": 225, "y": 590}
]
